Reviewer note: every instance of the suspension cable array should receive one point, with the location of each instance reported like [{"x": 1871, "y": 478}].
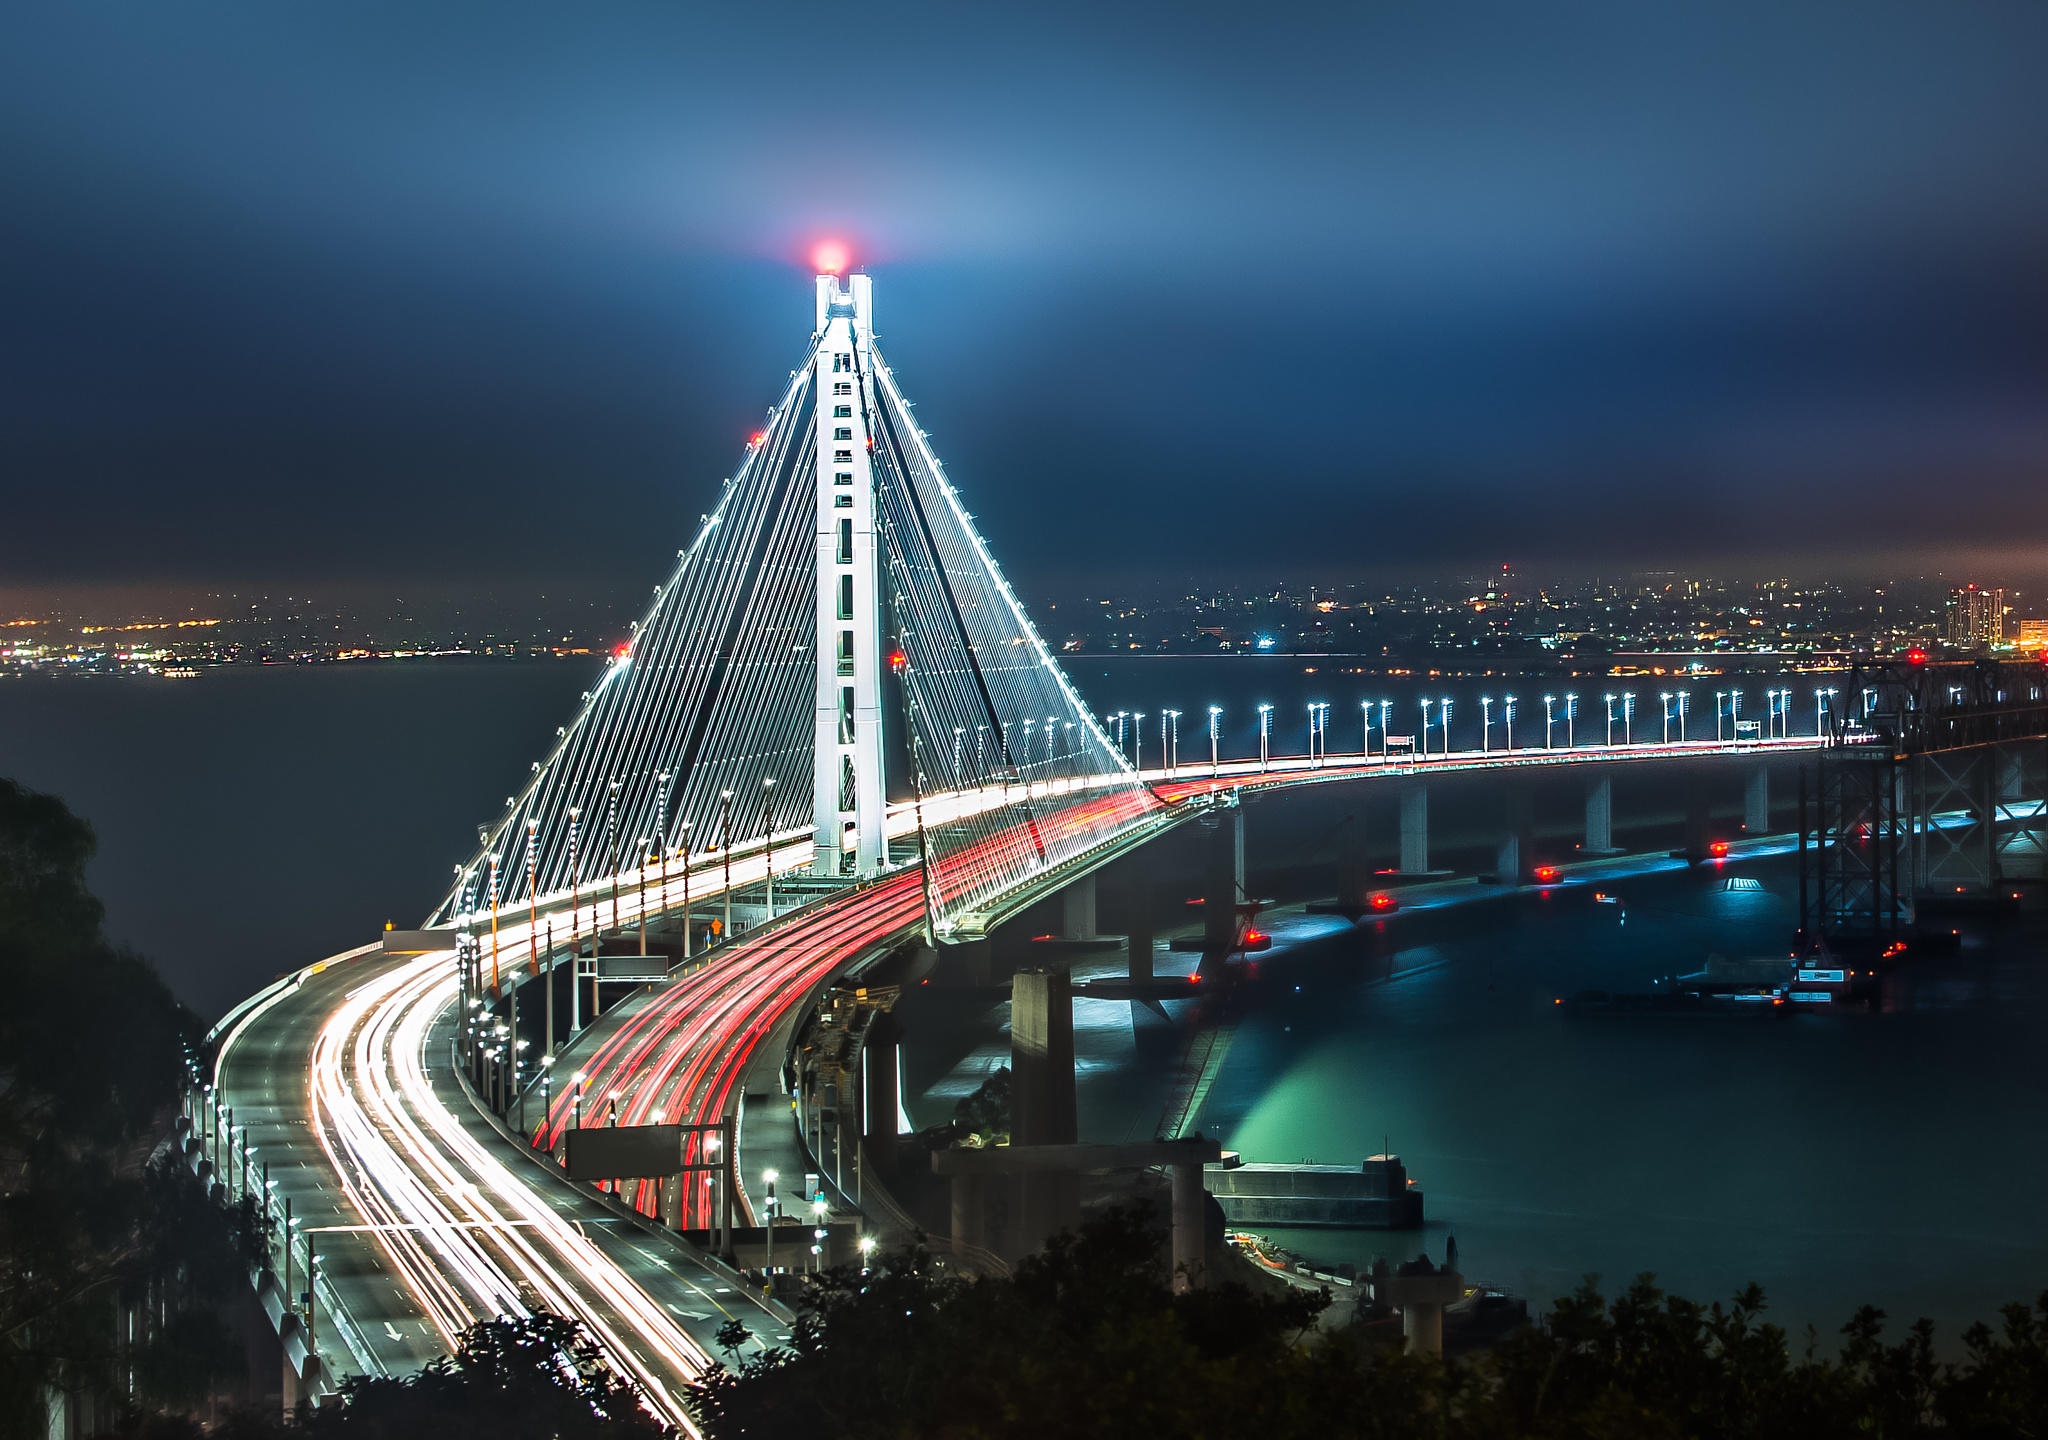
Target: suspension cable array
[{"x": 699, "y": 741}]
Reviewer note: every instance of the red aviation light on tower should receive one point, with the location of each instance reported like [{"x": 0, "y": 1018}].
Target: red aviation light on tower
[
  {"x": 897, "y": 660},
  {"x": 830, "y": 257},
  {"x": 1916, "y": 656}
]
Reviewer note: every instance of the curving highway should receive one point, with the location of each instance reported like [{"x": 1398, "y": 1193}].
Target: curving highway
[{"x": 425, "y": 1218}]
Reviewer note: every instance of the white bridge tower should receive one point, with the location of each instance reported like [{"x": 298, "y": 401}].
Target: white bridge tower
[{"x": 848, "y": 799}]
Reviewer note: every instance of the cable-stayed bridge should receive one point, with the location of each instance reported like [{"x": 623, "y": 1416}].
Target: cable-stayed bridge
[{"x": 834, "y": 729}]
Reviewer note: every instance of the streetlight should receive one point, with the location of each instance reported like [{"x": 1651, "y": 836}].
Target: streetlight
[
  {"x": 768, "y": 836},
  {"x": 867, "y": 1252},
  {"x": 1386, "y": 710},
  {"x": 1720, "y": 704},
  {"x": 1664, "y": 696},
  {"x": 1684, "y": 699},
  {"x": 1821, "y": 698},
  {"x": 1426, "y": 703},
  {"x": 1215, "y": 740},
  {"x": 1365, "y": 728},
  {"x": 1571, "y": 716},
  {"x": 1443, "y": 722},
  {"x": 1548, "y": 720},
  {"x": 725, "y": 854},
  {"x": 768, "y": 1210},
  {"x": 1171, "y": 724},
  {"x": 1485, "y": 723},
  {"x": 1138, "y": 737},
  {"x": 582, "y": 1079},
  {"x": 1609, "y": 698},
  {"x": 1628, "y": 717},
  {"x": 1265, "y": 734},
  {"x": 1508, "y": 710}
]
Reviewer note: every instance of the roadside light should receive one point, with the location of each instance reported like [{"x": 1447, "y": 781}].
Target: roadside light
[
  {"x": 1546, "y": 874},
  {"x": 1718, "y": 849}
]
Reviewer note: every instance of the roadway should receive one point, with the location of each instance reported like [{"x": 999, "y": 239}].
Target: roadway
[{"x": 429, "y": 1220}]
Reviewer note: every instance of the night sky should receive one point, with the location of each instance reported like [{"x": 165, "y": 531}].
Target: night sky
[{"x": 382, "y": 291}]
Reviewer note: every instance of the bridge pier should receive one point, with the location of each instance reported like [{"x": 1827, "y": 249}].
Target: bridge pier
[
  {"x": 1138, "y": 922},
  {"x": 1077, "y": 910},
  {"x": 1415, "y": 830},
  {"x": 880, "y": 1086},
  {"x": 1600, "y": 816},
  {"x": 1514, "y": 858},
  {"x": 1043, "y": 1107},
  {"x": 1354, "y": 866},
  {"x": 1756, "y": 802},
  {"x": 1699, "y": 819},
  {"x": 1223, "y": 887}
]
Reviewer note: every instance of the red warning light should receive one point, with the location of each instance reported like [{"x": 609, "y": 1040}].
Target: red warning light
[
  {"x": 1545, "y": 874},
  {"x": 1916, "y": 656},
  {"x": 623, "y": 650},
  {"x": 754, "y": 440},
  {"x": 1384, "y": 901},
  {"x": 897, "y": 660},
  {"x": 830, "y": 257},
  {"x": 1718, "y": 849}
]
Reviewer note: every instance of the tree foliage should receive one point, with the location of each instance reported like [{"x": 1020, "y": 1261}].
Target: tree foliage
[
  {"x": 1087, "y": 1340},
  {"x": 92, "y": 1055}
]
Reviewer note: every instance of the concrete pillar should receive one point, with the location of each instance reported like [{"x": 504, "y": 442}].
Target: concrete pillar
[
  {"x": 1422, "y": 1327},
  {"x": 879, "y": 1059},
  {"x": 1415, "y": 830},
  {"x": 1042, "y": 1104},
  {"x": 1138, "y": 922},
  {"x": 1756, "y": 802},
  {"x": 1515, "y": 858},
  {"x": 970, "y": 963},
  {"x": 1354, "y": 866},
  {"x": 1042, "y": 1057},
  {"x": 1600, "y": 816},
  {"x": 1222, "y": 888},
  {"x": 1699, "y": 819},
  {"x": 1190, "y": 1229},
  {"x": 969, "y": 1223},
  {"x": 1077, "y": 910},
  {"x": 1237, "y": 848}
]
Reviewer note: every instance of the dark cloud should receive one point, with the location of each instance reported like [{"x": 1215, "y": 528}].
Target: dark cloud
[{"x": 498, "y": 289}]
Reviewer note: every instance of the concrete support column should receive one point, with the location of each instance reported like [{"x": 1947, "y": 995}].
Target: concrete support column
[
  {"x": 969, "y": 1227},
  {"x": 1237, "y": 848},
  {"x": 1042, "y": 1104},
  {"x": 879, "y": 1057},
  {"x": 1222, "y": 887},
  {"x": 1190, "y": 1229},
  {"x": 1600, "y": 815},
  {"x": 1699, "y": 820},
  {"x": 1422, "y": 1327},
  {"x": 1077, "y": 910},
  {"x": 970, "y": 963},
  {"x": 1756, "y": 802},
  {"x": 1138, "y": 922},
  {"x": 1515, "y": 859},
  {"x": 1042, "y": 1057},
  {"x": 1415, "y": 830},
  {"x": 1354, "y": 866}
]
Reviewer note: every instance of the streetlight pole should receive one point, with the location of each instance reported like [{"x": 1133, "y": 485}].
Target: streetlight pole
[
  {"x": 1628, "y": 717},
  {"x": 1571, "y": 720},
  {"x": 768, "y": 1218},
  {"x": 611, "y": 847},
  {"x": 684, "y": 856},
  {"x": 1265, "y": 736},
  {"x": 1609, "y": 698},
  {"x": 1485, "y": 724},
  {"x": 640, "y": 858},
  {"x": 1365, "y": 729},
  {"x": 1664, "y": 699},
  {"x": 725, "y": 852},
  {"x": 1386, "y": 711},
  {"x": 1548, "y": 720},
  {"x": 768, "y": 835},
  {"x": 1426, "y": 702},
  {"x": 1137, "y": 736},
  {"x": 1169, "y": 742},
  {"x": 1443, "y": 723},
  {"x": 1215, "y": 741},
  {"x": 1508, "y": 713},
  {"x": 1684, "y": 699},
  {"x": 1720, "y": 704}
]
